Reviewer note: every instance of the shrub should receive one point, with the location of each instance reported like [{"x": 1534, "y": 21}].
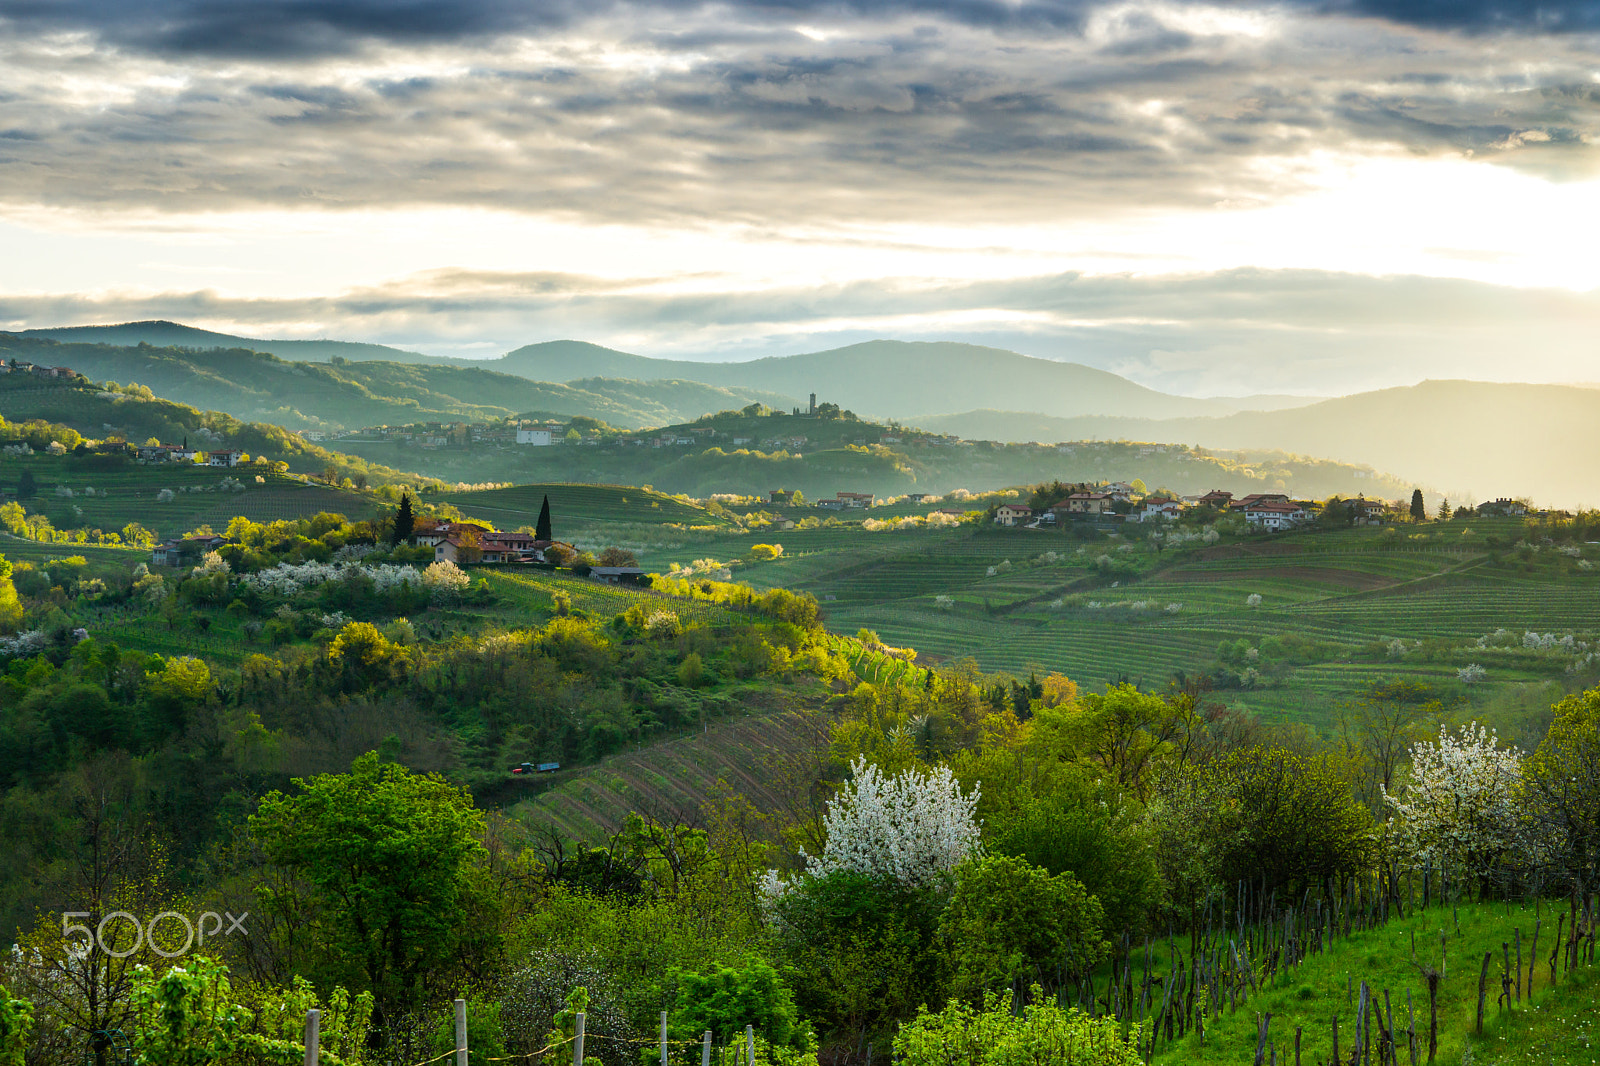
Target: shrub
[
  {"x": 1043, "y": 1034},
  {"x": 1009, "y": 919}
]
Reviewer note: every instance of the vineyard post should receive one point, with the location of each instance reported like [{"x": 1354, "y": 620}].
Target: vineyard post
[
  {"x": 1483, "y": 978},
  {"x": 705, "y": 1049},
  {"x": 577, "y": 1037},
  {"x": 663, "y": 1038},
  {"x": 750, "y": 1045},
  {"x": 1519, "y": 966},
  {"x": 313, "y": 1023},
  {"x": 461, "y": 1033}
]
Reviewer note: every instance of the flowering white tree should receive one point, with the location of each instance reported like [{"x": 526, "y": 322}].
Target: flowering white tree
[
  {"x": 212, "y": 563},
  {"x": 1458, "y": 804},
  {"x": 912, "y": 827},
  {"x": 445, "y": 579}
]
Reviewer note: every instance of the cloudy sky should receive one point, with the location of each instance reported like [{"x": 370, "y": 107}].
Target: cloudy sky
[{"x": 1311, "y": 197}]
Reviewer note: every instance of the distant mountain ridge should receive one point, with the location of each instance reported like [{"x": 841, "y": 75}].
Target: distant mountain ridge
[
  {"x": 881, "y": 378},
  {"x": 1482, "y": 438},
  {"x": 164, "y": 334}
]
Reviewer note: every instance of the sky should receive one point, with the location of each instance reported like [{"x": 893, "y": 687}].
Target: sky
[{"x": 1311, "y": 197}]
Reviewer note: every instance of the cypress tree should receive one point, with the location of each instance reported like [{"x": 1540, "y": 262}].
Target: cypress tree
[
  {"x": 1419, "y": 510},
  {"x": 26, "y": 488},
  {"x": 542, "y": 530},
  {"x": 404, "y": 520}
]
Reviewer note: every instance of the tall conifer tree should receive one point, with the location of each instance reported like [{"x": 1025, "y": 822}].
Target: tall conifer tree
[
  {"x": 542, "y": 530},
  {"x": 405, "y": 521}
]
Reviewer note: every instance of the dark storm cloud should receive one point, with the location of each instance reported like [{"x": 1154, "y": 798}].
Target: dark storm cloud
[
  {"x": 298, "y": 29},
  {"x": 1481, "y": 15}
]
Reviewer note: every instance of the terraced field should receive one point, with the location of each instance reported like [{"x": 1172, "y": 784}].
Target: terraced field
[
  {"x": 677, "y": 776},
  {"x": 128, "y": 492},
  {"x": 1351, "y": 594}
]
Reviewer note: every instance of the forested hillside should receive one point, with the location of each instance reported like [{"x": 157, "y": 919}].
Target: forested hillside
[{"x": 351, "y": 394}]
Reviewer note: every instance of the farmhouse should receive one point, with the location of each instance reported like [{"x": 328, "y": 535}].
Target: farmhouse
[
  {"x": 1215, "y": 499},
  {"x": 781, "y": 496},
  {"x": 1258, "y": 497},
  {"x": 1504, "y": 507},
  {"x": 917, "y": 497},
  {"x": 178, "y": 551},
  {"x": 431, "y": 533},
  {"x": 224, "y": 457},
  {"x": 1365, "y": 512},
  {"x": 489, "y": 547},
  {"x": 620, "y": 575},
  {"x": 855, "y": 499},
  {"x": 1275, "y": 516},
  {"x": 1159, "y": 509},
  {"x": 539, "y": 438},
  {"x": 1080, "y": 503},
  {"x": 1012, "y": 515}
]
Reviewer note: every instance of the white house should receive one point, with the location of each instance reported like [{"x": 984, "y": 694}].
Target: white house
[
  {"x": 224, "y": 457},
  {"x": 1274, "y": 516},
  {"x": 539, "y": 438},
  {"x": 1160, "y": 510}
]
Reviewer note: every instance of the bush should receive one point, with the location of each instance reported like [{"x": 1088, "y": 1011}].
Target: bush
[
  {"x": 1009, "y": 919},
  {"x": 1042, "y": 1035},
  {"x": 862, "y": 950},
  {"x": 1094, "y": 835}
]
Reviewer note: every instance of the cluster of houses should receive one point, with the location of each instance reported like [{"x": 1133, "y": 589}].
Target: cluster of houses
[
  {"x": 174, "y": 453},
  {"x": 37, "y": 370},
  {"x": 1271, "y": 511}
]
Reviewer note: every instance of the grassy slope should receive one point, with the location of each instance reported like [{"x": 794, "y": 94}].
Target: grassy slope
[{"x": 1312, "y": 995}]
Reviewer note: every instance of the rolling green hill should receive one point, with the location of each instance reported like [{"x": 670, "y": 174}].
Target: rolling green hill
[
  {"x": 896, "y": 379},
  {"x": 172, "y": 334},
  {"x": 348, "y": 395},
  {"x": 1463, "y": 437}
]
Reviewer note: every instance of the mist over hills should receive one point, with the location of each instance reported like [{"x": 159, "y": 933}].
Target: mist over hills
[
  {"x": 1464, "y": 438},
  {"x": 1476, "y": 438},
  {"x": 881, "y": 378}
]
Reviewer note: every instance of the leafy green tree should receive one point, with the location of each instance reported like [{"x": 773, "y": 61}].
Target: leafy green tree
[
  {"x": 10, "y": 604},
  {"x": 1090, "y": 831},
  {"x": 863, "y": 951},
  {"x": 1288, "y": 821},
  {"x": 729, "y": 998},
  {"x": 1011, "y": 922},
  {"x": 187, "y": 1016},
  {"x": 381, "y": 866},
  {"x": 1562, "y": 785},
  {"x": 16, "y": 1022}
]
